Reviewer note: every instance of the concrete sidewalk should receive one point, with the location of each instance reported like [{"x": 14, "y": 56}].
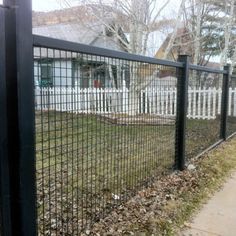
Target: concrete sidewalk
[{"x": 218, "y": 216}]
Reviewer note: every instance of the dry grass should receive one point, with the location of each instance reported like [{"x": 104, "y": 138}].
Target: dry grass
[
  {"x": 83, "y": 162},
  {"x": 169, "y": 201}
]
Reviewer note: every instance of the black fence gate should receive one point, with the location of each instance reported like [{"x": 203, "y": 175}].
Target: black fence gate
[{"x": 83, "y": 128}]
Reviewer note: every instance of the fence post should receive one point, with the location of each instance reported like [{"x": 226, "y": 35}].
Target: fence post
[
  {"x": 5, "y": 216},
  {"x": 19, "y": 89},
  {"x": 181, "y": 112},
  {"x": 225, "y": 102}
]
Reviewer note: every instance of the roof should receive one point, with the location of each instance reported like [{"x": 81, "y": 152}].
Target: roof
[
  {"x": 64, "y": 24},
  {"x": 181, "y": 37},
  {"x": 182, "y": 45},
  {"x": 73, "y": 14},
  {"x": 69, "y": 31}
]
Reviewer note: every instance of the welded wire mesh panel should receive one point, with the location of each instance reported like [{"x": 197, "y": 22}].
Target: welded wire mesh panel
[
  {"x": 231, "y": 119},
  {"x": 204, "y": 111},
  {"x": 103, "y": 127}
]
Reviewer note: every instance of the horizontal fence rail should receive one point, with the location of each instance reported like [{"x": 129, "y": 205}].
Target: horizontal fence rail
[
  {"x": 45, "y": 42},
  {"x": 206, "y": 69}
]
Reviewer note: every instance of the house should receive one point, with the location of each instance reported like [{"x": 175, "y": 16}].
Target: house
[
  {"x": 54, "y": 68},
  {"x": 183, "y": 45}
]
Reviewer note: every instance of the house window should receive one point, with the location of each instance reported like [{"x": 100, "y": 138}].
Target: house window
[
  {"x": 75, "y": 73},
  {"x": 46, "y": 74}
]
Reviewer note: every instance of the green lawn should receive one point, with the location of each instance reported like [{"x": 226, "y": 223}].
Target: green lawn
[
  {"x": 85, "y": 166},
  {"x": 169, "y": 202}
]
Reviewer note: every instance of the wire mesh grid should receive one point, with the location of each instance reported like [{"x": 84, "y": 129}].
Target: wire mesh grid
[
  {"x": 204, "y": 111},
  {"x": 231, "y": 118},
  {"x": 103, "y": 127}
]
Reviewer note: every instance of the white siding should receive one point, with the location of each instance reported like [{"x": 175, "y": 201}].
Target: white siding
[{"x": 62, "y": 73}]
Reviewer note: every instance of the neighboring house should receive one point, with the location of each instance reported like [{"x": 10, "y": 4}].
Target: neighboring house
[
  {"x": 54, "y": 68},
  {"x": 166, "y": 77},
  {"x": 181, "y": 45}
]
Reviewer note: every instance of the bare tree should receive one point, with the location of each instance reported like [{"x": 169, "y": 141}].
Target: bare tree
[
  {"x": 137, "y": 19},
  {"x": 228, "y": 24},
  {"x": 174, "y": 33},
  {"x": 200, "y": 31},
  {"x": 207, "y": 30},
  {"x": 197, "y": 41}
]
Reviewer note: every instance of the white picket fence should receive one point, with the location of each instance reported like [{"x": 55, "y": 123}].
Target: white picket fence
[{"x": 202, "y": 103}]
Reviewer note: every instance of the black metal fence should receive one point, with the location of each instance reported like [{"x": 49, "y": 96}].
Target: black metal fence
[
  {"x": 106, "y": 122},
  {"x": 204, "y": 100},
  {"x": 97, "y": 144},
  {"x": 103, "y": 123}
]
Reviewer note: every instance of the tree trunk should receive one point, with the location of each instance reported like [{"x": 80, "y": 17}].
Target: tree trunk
[
  {"x": 173, "y": 35},
  {"x": 133, "y": 93},
  {"x": 198, "y": 34},
  {"x": 228, "y": 27}
]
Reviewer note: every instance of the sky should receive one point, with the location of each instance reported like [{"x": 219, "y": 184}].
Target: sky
[
  {"x": 46, "y": 5},
  {"x": 49, "y": 5}
]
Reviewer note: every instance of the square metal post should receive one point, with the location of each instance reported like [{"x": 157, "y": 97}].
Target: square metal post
[
  {"x": 225, "y": 103},
  {"x": 5, "y": 228},
  {"x": 181, "y": 113},
  {"x": 20, "y": 145}
]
